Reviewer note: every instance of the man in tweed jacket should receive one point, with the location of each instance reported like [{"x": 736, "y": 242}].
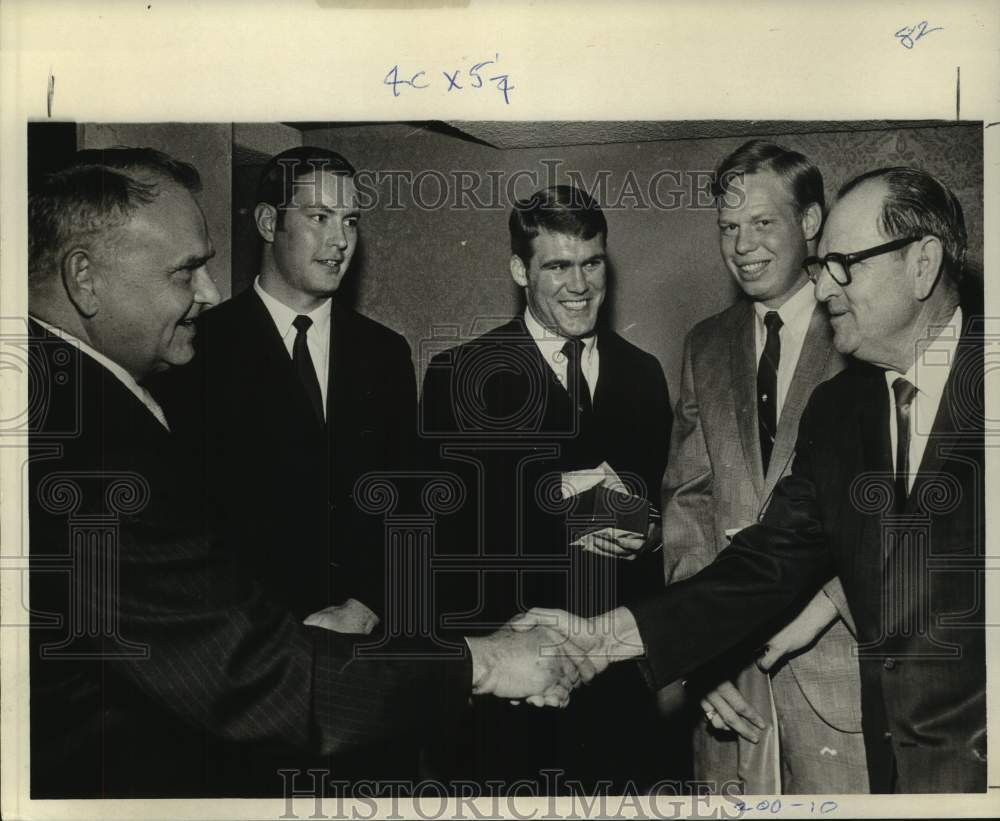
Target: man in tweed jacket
[{"x": 798, "y": 717}]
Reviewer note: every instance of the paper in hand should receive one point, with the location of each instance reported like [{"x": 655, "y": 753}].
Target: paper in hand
[{"x": 604, "y": 506}]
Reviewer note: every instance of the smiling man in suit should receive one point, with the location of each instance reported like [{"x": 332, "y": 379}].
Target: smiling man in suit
[
  {"x": 886, "y": 491},
  {"x": 747, "y": 375},
  {"x": 293, "y": 396},
  {"x": 160, "y": 667},
  {"x": 550, "y": 392}
]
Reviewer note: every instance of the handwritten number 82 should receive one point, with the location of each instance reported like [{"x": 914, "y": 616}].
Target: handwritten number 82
[{"x": 909, "y": 35}]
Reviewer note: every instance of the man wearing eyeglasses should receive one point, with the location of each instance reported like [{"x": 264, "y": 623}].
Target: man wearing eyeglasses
[
  {"x": 770, "y": 727},
  {"x": 886, "y": 491}
]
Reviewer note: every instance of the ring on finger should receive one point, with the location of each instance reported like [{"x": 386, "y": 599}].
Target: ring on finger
[{"x": 710, "y": 715}]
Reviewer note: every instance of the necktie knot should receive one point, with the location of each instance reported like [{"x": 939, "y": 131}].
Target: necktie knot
[
  {"x": 302, "y": 323},
  {"x": 904, "y": 391},
  {"x": 772, "y": 321},
  {"x": 572, "y": 349}
]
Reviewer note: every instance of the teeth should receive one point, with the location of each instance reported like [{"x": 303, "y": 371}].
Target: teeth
[
  {"x": 330, "y": 263},
  {"x": 753, "y": 267},
  {"x": 575, "y": 304}
]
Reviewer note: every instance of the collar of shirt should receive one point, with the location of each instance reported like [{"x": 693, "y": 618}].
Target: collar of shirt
[
  {"x": 795, "y": 315},
  {"x": 284, "y": 316},
  {"x": 117, "y": 370},
  {"x": 930, "y": 372},
  {"x": 317, "y": 337},
  {"x": 928, "y": 375},
  {"x": 550, "y": 345}
]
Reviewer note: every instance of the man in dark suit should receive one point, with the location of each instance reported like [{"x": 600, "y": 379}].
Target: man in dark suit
[
  {"x": 157, "y": 661},
  {"x": 293, "y": 396},
  {"x": 748, "y": 373},
  {"x": 886, "y": 491},
  {"x": 513, "y": 413}
]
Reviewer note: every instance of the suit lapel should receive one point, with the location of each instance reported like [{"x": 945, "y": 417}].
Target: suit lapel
[
  {"x": 263, "y": 333},
  {"x": 608, "y": 385},
  {"x": 743, "y": 365},
  {"x": 876, "y": 454},
  {"x": 810, "y": 370},
  {"x": 876, "y": 464},
  {"x": 968, "y": 360},
  {"x": 338, "y": 373},
  {"x": 558, "y": 406}
]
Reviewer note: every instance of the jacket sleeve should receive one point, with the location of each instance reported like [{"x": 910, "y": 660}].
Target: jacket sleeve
[
  {"x": 835, "y": 591},
  {"x": 368, "y": 563},
  {"x": 222, "y": 658},
  {"x": 686, "y": 494},
  {"x": 768, "y": 568}
]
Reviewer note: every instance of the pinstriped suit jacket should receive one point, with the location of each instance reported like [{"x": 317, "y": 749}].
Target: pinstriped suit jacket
[
  {"x": 154, "y": 660},
  {"x": 715, "y": 482}
]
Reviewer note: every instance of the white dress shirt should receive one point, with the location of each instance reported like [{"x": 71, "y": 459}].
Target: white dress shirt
[
  {"x": 796, "y": 315},
  {"x": 550, "y": 344},
  {"x": 928, "y": 375},
  {"x": 120, "y": 373},
  {"x": 317, "y": 337}
]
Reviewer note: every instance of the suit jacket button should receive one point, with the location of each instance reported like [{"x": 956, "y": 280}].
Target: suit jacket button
[
  {"x": 887, "y": 737},
  {"x": 889, "y": 663}
]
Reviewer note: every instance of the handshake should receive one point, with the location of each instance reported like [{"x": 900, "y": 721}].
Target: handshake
[{"x": 541, "y": 656}]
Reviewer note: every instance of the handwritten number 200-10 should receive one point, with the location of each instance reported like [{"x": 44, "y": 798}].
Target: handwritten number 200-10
[
  {"x": 909, "y": 35},
  {"x": 774, "y": 807}
]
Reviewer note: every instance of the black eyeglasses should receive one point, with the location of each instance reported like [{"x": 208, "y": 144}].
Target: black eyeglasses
[{"x": 838, "y": 266}]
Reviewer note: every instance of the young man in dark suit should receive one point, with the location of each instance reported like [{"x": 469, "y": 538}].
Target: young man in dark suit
[
  {"x": 159, "y": 665},
  {"x": 293, "y": 396},
  {"x": 512, "y": 412},
  {"x": 886, "y": 491}
]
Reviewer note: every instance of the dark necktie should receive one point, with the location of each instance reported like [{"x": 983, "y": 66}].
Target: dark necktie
[
  {"x": 904, "y": 392},
  {"x": 304, "y": 366},
  {"x": 767, "y": 387},
  {"x": 576, "y": 383}
]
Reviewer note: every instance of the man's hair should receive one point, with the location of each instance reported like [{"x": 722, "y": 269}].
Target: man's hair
[
  {"x": 276, "y": 186},
  {"x": 917, "y": 204},
  {"x": 559, "y": 209},
  {"x": 803, "y": 179},
  {"x": 98, "y": 190}
]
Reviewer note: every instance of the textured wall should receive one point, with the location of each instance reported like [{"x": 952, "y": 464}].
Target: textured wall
[
  {"x": 428, "y": 271},
  {"x": 419, "y": 269},
  {"x": 209, "y": 148}
]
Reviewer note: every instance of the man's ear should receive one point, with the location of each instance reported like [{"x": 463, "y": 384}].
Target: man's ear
[
  {"x": 265, "y": 217},
  {"x": 811, "y": 221},
  {"x": 78, "y": 278},
  {"x": 518, "y": 271},
  {"x": 926, "y": 259}
]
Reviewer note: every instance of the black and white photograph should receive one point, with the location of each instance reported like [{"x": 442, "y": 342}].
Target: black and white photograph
[{"x": 578, "y": 466}]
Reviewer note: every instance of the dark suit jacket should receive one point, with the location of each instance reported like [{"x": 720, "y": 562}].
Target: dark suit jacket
[
  {"x": 914, "y": 586},
  {"x": 283, "y": 486},
  {"x": 155, "y": 660},
  {"x": 493, "y": 411}
]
